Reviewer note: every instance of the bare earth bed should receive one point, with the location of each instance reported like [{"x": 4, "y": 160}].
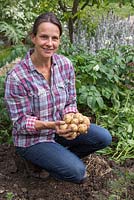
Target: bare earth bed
[{"x": 16, "y": 185}]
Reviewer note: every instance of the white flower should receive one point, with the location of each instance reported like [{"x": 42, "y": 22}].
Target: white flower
[
  {"x": 129, "y": 38},
  {"x": 96, "y": 67},
  {"x": 107, "y": 42}
]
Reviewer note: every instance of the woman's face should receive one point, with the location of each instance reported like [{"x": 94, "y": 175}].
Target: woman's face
[{"x": 47, "y": 39}]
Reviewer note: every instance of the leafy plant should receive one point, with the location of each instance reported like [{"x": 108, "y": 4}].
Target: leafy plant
[
  {"x": 104, "y": 83},
  {"x": 17, "y": 51},
  {"x": 5, "y": 122},
  {"x": 14, "y": 34},
  {"x": 9, "y": 196},
  {"x": 17, "y": 19},
  {"x": 120, "y": 122},
  {"x": 98, "y": 78}
]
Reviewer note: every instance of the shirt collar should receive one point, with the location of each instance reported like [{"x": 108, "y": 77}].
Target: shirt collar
[{"x": 29, "y": 61}]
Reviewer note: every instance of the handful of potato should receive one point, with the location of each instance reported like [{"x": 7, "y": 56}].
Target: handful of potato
[{"x": 77, "y": 122}]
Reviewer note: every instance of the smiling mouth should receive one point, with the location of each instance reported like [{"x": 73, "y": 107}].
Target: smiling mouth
[{"x": 47, "y": 49}]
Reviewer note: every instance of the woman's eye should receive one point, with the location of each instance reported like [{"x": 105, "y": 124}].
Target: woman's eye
[
  {"x": 43, "y": 36},
  {"x": 55, "y": 38}
]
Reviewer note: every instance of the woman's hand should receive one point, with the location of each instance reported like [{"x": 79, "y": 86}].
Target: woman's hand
[{"x": 67, "y": 133}]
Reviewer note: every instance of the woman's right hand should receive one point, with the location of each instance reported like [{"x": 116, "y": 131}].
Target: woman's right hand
[{"x": 67, "y": 133}]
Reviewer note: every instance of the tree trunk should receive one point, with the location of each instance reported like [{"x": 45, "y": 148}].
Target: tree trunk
[{"x": 71, "y": 30}]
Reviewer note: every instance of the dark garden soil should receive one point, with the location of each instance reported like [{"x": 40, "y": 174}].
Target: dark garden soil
[{"x": 15, "y": 184}]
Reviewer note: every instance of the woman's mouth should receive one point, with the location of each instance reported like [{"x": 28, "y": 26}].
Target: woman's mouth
[{"x": 48, "y": 50}]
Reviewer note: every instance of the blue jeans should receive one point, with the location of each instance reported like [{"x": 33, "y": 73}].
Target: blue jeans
[{"x": 62, "y": 158}]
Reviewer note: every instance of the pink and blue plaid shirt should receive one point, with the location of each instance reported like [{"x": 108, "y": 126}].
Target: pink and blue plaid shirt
[{"x": 29, "y": 97}]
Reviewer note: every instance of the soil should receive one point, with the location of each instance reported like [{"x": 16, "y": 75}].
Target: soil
[{"x": 17, "y": 184}]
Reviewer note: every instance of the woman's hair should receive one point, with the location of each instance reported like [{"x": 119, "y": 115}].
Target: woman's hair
[{"x": 46, "y": 17}]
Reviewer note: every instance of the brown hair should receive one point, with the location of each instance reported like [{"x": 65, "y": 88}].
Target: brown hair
[{"x": 46, "y": 17}]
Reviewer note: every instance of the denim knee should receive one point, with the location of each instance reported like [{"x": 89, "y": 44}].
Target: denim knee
[
  {"x": 74, "y": 173},
  {"x": 107, "y": 138},
  {"x": 79, "y": 174}
]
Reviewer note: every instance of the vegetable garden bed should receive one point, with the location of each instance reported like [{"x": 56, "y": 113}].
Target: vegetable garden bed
[{"x": 107, "y": 181}]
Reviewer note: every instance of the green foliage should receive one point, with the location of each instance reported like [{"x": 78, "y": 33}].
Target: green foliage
[
  {"x": 4, "y": 53},
  {"x": 11, "y": 32},
  {"x": 104, "y": 83},
  {"x": 9, "y": 196},
  {"x": 10, "y": 54},
  {"x": 5, "y": 123},
  {"x": 122, "y": 10},
  {"x": 16, "y": 19},
  {"x": 103, "y": 77},
  {"x": 120, "y": 122}
]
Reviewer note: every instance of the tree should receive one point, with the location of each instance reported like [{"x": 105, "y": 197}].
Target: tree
[
  {"x": 69, "y": 11},
  {"x": 74, "y": 11}
]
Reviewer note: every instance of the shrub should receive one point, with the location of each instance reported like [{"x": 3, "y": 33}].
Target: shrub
[
  {"x": 5, "y": 123},
  {"x": 105, "y": 83}
]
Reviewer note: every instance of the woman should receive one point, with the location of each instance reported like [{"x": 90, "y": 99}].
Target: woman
[{"x": 39, "y": 91}]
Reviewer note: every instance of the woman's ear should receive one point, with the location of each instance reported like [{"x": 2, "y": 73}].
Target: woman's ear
[{"x": 32, "y": 36}]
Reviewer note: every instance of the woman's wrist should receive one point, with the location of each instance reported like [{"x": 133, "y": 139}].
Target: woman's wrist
[{"x": 40, "y": 125}]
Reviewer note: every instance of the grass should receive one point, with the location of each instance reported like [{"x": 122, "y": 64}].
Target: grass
[{"x": 125, "y": 11}]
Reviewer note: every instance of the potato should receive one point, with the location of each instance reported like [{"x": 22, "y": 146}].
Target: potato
[
  {"x": 68, "y": 117},
  {"x": 77, "y": 122},
  {"x": 63, "y": 126},
  {"x": 73, "y": 127},
  {"x": 86, "y": 120},
  {"x": 82, "y": 128},
  {"x": 73, "y": 136},
  {"x": 79, "y": 116}
]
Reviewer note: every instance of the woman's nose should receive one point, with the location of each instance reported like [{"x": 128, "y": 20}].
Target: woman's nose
[{"x": 49, "y": 41}]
